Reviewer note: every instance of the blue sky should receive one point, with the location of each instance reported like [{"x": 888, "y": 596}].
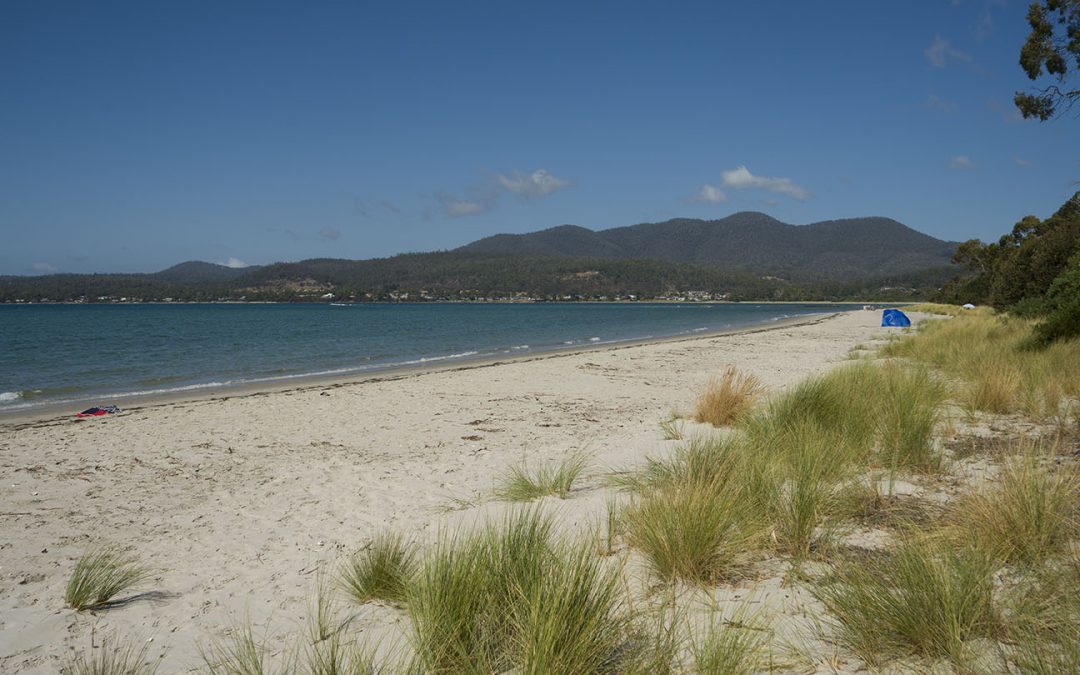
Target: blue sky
[{"x": 137, "y": 135}]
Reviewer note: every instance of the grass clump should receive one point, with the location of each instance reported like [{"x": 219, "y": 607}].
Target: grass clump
[
  {"x": 236, "y": 654},
  {"x": 380, "y": 572},
  {"x": 694, "y": 532},
  {"x": 884, "y": 413},
  {"x": 701, "y": 460},
  {"x": 728, "y": 398},
  {"x": 523, "y": 484},
  {"x": 805, "y": 493},
  {"x": 672, "y": 429},
  {"x": 731, "y": 645},
  {"x": 926, "y": 598},
  {"x": 124, "y": 659},
  {"x": 512, "y": 597},
  {"x": 1043, "y": 630},
  {"x": 1029, "y": 516},
  {"x": 100, "y": 575}
]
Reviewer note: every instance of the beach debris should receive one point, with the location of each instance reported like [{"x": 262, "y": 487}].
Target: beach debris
[{"x": 98, "y": 411}]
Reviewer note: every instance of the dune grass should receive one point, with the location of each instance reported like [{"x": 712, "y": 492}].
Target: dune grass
[
  {"x": 925, "y": 598},
  {"x": 510, "y": 596},
  {"x": 702, "y": 460},
  {"x": 236, "y": 653},
  {"x": 379, "y": 572},
  {"x": 697, "y": 532},
  {"x": 728, "y": 398},
  {"x": 994, "y": 370},
  {"x": 806, "y": 495},
  {"x": 1043, "y": 630},
  {"x": 883, "y": 413},
  {"x": 948, "y": 310},
  {"x": 731, "y": 644},
  {"x": 1030, "y": 515},
  {"x": 122, "y": 659},
  {"x": 672, "y": 429},
  {"x": 523, "y": 483},
  {"x": 100, "y": 575}
]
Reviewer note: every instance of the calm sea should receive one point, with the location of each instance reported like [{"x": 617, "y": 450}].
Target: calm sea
[{"x": 52, "y": 353}]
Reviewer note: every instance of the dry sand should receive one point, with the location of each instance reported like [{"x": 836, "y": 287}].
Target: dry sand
[{"x": 238, "y": 501}]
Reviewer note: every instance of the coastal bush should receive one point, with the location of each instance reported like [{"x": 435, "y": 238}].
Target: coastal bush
[
  {"x": 1029, "y": 516},
  {"x": 522, "y": 484},
  {"x": 926, "y": 597},
  {"x": 511, "y": 597},
  {"x": 379, "y": 572},
  {"x": 122, "y": 659},
  {"x": 728, "y": 398},
  {"x": 100, "y": 575}
]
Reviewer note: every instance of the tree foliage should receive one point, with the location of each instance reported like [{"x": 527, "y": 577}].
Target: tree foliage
[
  {"x": 1035, "y": 269},
  {"x": 1052, "y": 49}
]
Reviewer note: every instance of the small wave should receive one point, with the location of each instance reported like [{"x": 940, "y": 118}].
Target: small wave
[
  {"x": 9, "y": 396},
  {"x": 519, "y": 347},
  {"x": 429, "y": 359},
  {"x": 594, "y": 339}
]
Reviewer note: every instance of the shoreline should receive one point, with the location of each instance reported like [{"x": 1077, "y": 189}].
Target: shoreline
[{"x": 52, "y": 411}]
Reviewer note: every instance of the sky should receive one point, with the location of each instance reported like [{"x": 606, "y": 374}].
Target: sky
[{"x": 134, "y": 136}]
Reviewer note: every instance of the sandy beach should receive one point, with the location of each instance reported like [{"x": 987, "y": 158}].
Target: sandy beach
[{"x": 237, "y": 501}]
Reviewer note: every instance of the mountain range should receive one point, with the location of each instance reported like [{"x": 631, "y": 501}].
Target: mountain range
[
  {"x": 747, "y": 240},
  {"x": 746, "y": 255}
]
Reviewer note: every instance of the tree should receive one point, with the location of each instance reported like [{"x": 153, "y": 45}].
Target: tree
[{"x": 1054, "y": 49}]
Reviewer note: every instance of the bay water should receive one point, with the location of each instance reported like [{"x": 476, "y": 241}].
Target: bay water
[{"x": 55, "y": 353}]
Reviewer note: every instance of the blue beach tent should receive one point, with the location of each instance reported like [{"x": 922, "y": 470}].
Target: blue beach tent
[{"x": 895, "y": 318}]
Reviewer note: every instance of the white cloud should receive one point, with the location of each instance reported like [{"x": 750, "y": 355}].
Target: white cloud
[
  {"x": 1020, "y": 161},
  {"x": 961, "y": 163},
  {"x": 711, "y": 194},
  {"x": 940, "y": 52},
  {"x": 934, "y": 102},
  {"x": 455, "y": 208},
  {"x": 43, "y": 268},
  {"x": 235, "y": 263},
  {"x": 539, "y": 183},
  {"x": 329, "y": 233},
  {"x": 741, "y": 178}
]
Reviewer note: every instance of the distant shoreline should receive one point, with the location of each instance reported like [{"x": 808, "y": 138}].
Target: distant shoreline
[{"x": 897, "y": 303}]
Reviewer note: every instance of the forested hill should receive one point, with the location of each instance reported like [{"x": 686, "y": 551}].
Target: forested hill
[
  {"x": 834, "y": 249},
  {"x": 747, "y": 256}
]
